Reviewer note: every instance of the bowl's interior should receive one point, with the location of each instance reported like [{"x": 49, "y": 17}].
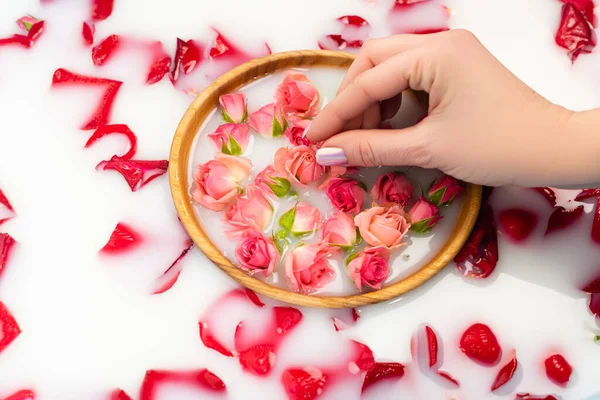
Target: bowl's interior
[{"x": 425, "y": 255}]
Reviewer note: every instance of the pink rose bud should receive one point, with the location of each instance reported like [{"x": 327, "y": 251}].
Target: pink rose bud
[
  {"x": 307, "y": 268},
  {"x": 268, "y": 121},
  {"x": 296, "y": 95},
  {"x": 26, "y": 22},
  {"x": 301, "y": 219},
  {"x": 423, "y": 216},
  {"x": 271, "y": 181},
  {"x": 232, "y": 139},
  {"x": 369, "y": 267},
  {"x": 339, "y": 230},
  {"x": 443, "y": 191},
  {"x": 234, "y": 106},
  {"x": 347, "y": 195},
  {"x": 392, "y": 188},
  {"x": 383, "y": 226},
  {"x": 217, "y": 181},
  {"x": 251, "y": 211},
  {"x": 298, "y": 163},
  {"x": 295, "y": 133},
  {"x": 256, "y": 253}
]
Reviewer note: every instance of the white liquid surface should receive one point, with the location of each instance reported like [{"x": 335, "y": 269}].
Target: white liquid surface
[{"x": 90, "y": 325}]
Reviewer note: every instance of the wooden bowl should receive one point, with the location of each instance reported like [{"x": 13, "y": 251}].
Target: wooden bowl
[{"x": 179, "y": 171}]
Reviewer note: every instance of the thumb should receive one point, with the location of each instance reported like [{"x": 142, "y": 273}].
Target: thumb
[{"x": 379, "y": 147}]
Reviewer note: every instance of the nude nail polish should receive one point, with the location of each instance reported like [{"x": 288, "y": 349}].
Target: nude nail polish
[{"x": 329, "y": 156}]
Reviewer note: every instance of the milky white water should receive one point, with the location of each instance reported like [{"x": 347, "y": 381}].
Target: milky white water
[{"x": 89, "y": 324}]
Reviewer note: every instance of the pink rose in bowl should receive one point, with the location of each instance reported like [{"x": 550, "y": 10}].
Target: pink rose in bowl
[
  {"x": 369, "y": 267},
  {"x": 339, "y": 230},
  {"x": 383, "y": 226},
  {"x": 234, "y": 107},
  {"x": 299, "y": 163},
  {"x": 231, "y": 139},
  {"x": 306, "y": 267},
  {"x": 296, "y": 95},
  {"x": 256, "y": 253},
  {"x": 216, "y": 182},
  {"x": 251, "y": 211},
  {"x": 301, "y": 219},
  {"x": 347, "y": 195},
  {"x": 392, "y": 188},
  {"x": 443, "y": 191},
  {"x": 295, "y": 133},
  {"x": 423, "y": 216},
  {"x": 268, "y": 121},
  {"x": 270, "y": 181}
]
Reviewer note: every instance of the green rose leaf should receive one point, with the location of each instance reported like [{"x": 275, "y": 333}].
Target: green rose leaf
[
  {"x": 278, "y": 129},
  {"x": 352, "y": 257},
  {"x": 287, "y": 220},
  {"x": 234, "y": 147},
  {"x": 226, "y": 116},
  {"x": 280, "y": 186},
  {"x": 421, "y": 226}
]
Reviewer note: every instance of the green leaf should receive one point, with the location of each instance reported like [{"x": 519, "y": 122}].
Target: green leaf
[
  {"x": 293, "y": 193},
  {"x": 358, "y": 237},
  {"x": 224, "y": 148},
  {"x": 234, "y": 147},
  {"x": 287, "y": 220},
  {"x": 597, "y": 338},
  {"x": 281, "y": 235},
  {"x": 245, "y": 117},
  {"x": 436, "y": 197},
  {"x": 280, "y": 186},
  {"x": 352, "y": 257},
  {"x": 421, "y": 226},
  {"x": 277, "y": 128},
  {"x": 226, "y": 116}
]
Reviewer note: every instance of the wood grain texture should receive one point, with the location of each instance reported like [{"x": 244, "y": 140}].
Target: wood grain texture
[{"x": 178, "y": 176}]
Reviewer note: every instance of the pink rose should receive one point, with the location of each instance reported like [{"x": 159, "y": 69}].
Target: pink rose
[
  {"x": 234, "y": 107},
  {"x": 370, "y": 267},
  {"x": 297, "y": 95},
  {"x": 347, "y": 195},
  {"x": 382, "y": 226},
  {"x": 339, "y": 230},
  {"x": 217, "y": 181},
  {"x": 301, "y": 219},
  {"x": 231, "y": 139},
  {"x": 256, "y": 253},
  {"x": 392, "y": 188},
  {"x": 443, "y": 191},
  {"x": 268, "y": 121},
  {"x": 423, "y": 216},
  {"x": 26, "y": 22},
  {"x": 271, "y": 181},
  {"x": 252, "y": 211},
  {"x": 299, "y": 163},
  {"x": 306, "y": 267},
  {"x": 295, "y": 133}
]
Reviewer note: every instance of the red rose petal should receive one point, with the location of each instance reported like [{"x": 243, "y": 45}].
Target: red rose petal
[
  {"x": 479, "y": 343},
  {"x": 187, "y": 55},
  {"x": 122, "y": 129},
  {"x": 548, "y": 194},
  {"x": 258, "y": 359},
  {"x": 408, "y": 2},
  {"x": 353, "y": 20},
  {"x": 562, "y": 218},
  {"x": 123, "y": 239},
  {"x": 172, "y": 273},
  {"x": 6, "y": 244},
  {"x": 527, "y": 396},
  {"x": 595, "y": 304},
  {"x": 362, "y": 357},
  {"x": 224, "y": 48},
  {"x": 137, "y": 173},
  {"x": 587, "y": 194},
  {"x": 253, "y": 297},
  {"x": 449, "y": 378},
  {"x": 64, "y": 76},
  {"x": 381, "y": 371},
  {"x": 574, "y": 32},
  {"x": 210, "y": 341},
  {"x": 87, "y": 32},
  {"x": 585, "y": 6},
  {"x": 596, "y": 223},
  {"x": 286, "y": 318},
  {"x": 104, "y": 50},
  {"x": 6, "y": 209},
  {"x": 517, "y": 224},
  {"x": 119, "y": 394},
  {"x": 593, "y": 286},
  {"x": 432, "y": 346},
  {"x": 355, "y": 315},
  {"x": 24, "y": 394},
  {"x": 201, "y": 379},
  {"x": 159, "y": 68},
  {"x": 13, "y": 40},
  {"x": 36, "y": 31},
  {"x": 505, "y": 374},
  {"x": 304, "y": 384},
  {"x": 8, "y": 326},
  {"x": 341, "y": 322},
  {"x": 102, "y": 9},
  {"x": 337, "y": 42},
  {"x": 558, "y": 369}
]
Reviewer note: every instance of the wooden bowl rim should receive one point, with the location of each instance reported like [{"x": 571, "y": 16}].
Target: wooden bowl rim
[{"x": 179, "y": 159}]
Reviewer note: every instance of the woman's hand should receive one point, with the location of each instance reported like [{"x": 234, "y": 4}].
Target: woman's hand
[{"x": 484, "y": 125}]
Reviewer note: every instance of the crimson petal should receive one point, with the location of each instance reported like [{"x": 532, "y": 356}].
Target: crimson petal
[
  {"x": 381, "y": 371},
  {"x": 585, "y": 6},
  {"x": 137, "y": 173},
  {"x": 337, "y": 42},
  {"x": 8, "y": 327},
  {"x": 4, "y": 202},
  {"x": 187, "y": 56},
  {"x": 517, "y": 224},
  {"x": 104, "y": 50},
  {"x": 24, "y": 394},
  {"x": 527, "y": 396},
  {"x": 303, "y": 384},
  {"x": 119, "y": 394},
  {"x": 432, "y": 345},
  {"x": 587, "y": 194},
  {"x": 574, "y": 32},
  {"x": 479, "y": 256},
  {"x": 596, "y": 223},
  {"x": 122, "y": 129},
  {"x": 286, "y": 318},
  {"x": 102, "y": 9},
  {"x": 87, "y": 32},
  {"x": 258, "y": 359},
  {"x": 593, "y": 286},
  {"x": 548, "y": 194},
  {"x": 562, "y": 218},
  {"x": 595, "y": 304},
  {"x": 6, "y": 244},
  {"x": 209, "y": 340},
  {"x": 123, "y": 238},
  {"x": 505, "y": 374},
  {"x": 202, "y": 379},
  {"x": 20, "y": 40},
  {"x": 36, "y": 31},
  {"x": 449, "y": 378},
  {"x": 168, "y": 283}
]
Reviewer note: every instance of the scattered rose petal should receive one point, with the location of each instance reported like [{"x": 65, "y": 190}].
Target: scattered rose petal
[
  {"x": 224, "y": 48},
  {"x": 6, "y": 209},
  {"x": 517, "y": 223},
  {"x": 337, "y": 42},
  {"x": 170, "y": 276},
  {"x": 161, "y": 64},
  {"x": 122, "y": 129},
  {"x": 201, "y": 379},
  {"x": 24, "y": 394},
  {"x": 258, "y": 360},
  {"x": 562, "y": 218},
  {"x": 341, "y": 322},
  {"x": 505, "y": 374},
  {"x": 187, "y": 56},
  {"x": 479, "y": 343},
  {"x": 6, "y": 244},
  {"x": 411, "y": 17},
  {"x": 19, "y": 40},
  {"x": 382, "y": 371},
  {"x": 432, "y": 346},
  {"x": 574, "y": 33},
  {"x": 587, "y": 194},
  {"x": 8, "y": 327},
  {"x": 362, "y": 358},
  {"x": 596, "y": 223},
  {"x": 137, "y": 173},
  {"x": 527, "y": 396},
  {"x": 548, "y": 194},
  {"x": 124, "y": 238},
  {"x": 449, "y": 378},
  {"x": 593, "y": 286},
  {"x": 36, "y": 31},
  {"x": 119, "y": 394},
  {"x": 594, "y": 304},
  {"x": 558, "y": 369},
  {"x": 303, "y": 384},
  {"x": 478, "y": 257},
  {"x": 87, "y": 32},
  {"x": 104, "y": 50},
  {"x": 102, "y": 9},
  {"x": 210, "y": 341}
]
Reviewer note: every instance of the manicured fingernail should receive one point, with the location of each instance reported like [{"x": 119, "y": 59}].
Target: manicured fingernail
[
  {"x": 306, "y": 129},
  {"x": 329, "y": 156}
]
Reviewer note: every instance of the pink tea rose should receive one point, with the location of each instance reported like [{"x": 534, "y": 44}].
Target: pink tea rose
[
  {"x": 299, "y": 163},
  {"x": 423, "y": 216},
  {"x": 347, "y": 195},
  {"x": 443, "y": 191},
  {"x": 301, "y": 219},
  {"x": 296, "y": 95},
  {"x": 339, "y": 230},
  {"x": 26, "y": 22},
  {"x": 269, "y": 121},
  {"x": 383, "y": 226},
  {"x": 251, "y": 211},
  {"x": 306, "y": 267},
  {"x": 271, "y": 181},
  {"x": 234, "y": 106},
  {"x": 295, "y": 133},
  {"x": 256, "y": 253},
  {"x": 217, "y": 181},
  {"x": 231, "y": 139},
  {"x": 369, "y": 267},
  {"x": 392, "y": 188}
]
